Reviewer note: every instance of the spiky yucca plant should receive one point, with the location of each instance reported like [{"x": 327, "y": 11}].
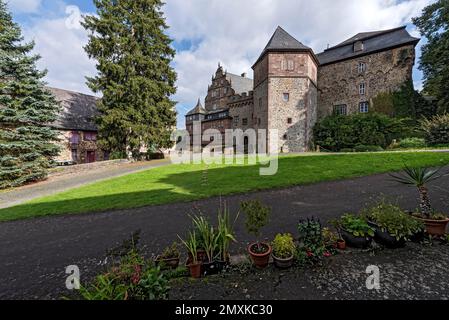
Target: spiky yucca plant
[{"x": 420, "y": 178}]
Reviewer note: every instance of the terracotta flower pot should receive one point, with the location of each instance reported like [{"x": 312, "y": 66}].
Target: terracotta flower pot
[
  {"x": 435, "y": 227},
  {"x": 341, "y": 244},
  {"x": 283, "y": 263},
  {"x": 260, "y": 260},
  {"x": 195, "y": 270}
]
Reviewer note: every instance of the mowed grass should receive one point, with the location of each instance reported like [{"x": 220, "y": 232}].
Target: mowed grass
[{"x": 179, "y": 183}]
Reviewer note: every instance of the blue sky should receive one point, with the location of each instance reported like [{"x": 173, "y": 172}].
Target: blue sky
[{"x": 206, "y": 32}]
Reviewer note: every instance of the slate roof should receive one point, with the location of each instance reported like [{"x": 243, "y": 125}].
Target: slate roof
[
  {"x": 197, "y": 110},
  {"x": 240, "y": 84},
  {"x": 283, "y": 41},
  {"x": 78, "y": 110},
  {"x": 373, "y": 42}
]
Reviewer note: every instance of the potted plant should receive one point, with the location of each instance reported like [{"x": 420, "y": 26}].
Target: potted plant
[
  {"x": 311, "y": 246},
  {"x": 225, "y": 237},
  {"x": 193, "y": 263},
  {"x": 393, "y": 227},
  {"x": 330, "y": 239},
  {"x": 436, "y": 224},
  {"x": 257, "y": 216},
  {"x": 209, "y": 240},
  {"x": 355, "y": 231},
  {"x": 169, "y": 258},
  {"x": 283, "y": 251}
]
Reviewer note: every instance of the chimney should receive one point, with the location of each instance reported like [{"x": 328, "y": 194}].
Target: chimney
[{"x": 244, "y": 75}]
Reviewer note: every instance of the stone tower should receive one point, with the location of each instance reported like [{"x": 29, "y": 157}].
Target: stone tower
[{"x": 285, "y": 91}]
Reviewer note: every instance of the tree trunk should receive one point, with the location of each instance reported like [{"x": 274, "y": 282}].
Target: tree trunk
[{"x": 425, "y": 206}]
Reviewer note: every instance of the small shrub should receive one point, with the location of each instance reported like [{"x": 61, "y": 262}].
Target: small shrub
[
  {"x": 284, "y": 246},
  {"x": 312, "y": 245},
  {"x": 347, "y": 150},
  {"x": 257, "y": 217},
  {"x": 171, "y": 252},
  {"x": 436, "y": 129},
  {"x": 412, "y": 143}
]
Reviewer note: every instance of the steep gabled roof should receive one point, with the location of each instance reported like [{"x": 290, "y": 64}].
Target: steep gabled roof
[
  {"x": 198, "y": 109},
  {"x": 78, "y": 110},
  {"x": 373, "y": 41},
  {"x": 240, "y": 84},
  {"x": 283, "y": 41}
]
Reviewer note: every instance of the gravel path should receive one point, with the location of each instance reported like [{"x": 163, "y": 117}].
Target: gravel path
[
  {"x": 416, "y": 272},
  {"x": 34, "y": 253},
  {"x": 61, "y": 182}
]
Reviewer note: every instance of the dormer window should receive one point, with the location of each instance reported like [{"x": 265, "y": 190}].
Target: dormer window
[{"x": 358, "y": 46}]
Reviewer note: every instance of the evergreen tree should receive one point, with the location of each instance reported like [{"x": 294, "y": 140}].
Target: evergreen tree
[
  {"x": 434, "y": 25},
  {"x": 135, "y": 78},
  {"x": 27, "y": 143}
]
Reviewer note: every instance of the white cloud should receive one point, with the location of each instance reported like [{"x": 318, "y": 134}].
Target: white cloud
[
  {"x": 233, "y": 32},
  {"x": 60, "y": 42},
  {"x": 24, "y": 6}
]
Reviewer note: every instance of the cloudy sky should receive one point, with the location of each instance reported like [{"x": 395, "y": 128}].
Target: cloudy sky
[{"x": 206, "y": 32}]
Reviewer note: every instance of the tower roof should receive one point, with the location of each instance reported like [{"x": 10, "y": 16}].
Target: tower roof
[
  {"x": 198, "y": 109},
  {"x": 283, "y": 41}
]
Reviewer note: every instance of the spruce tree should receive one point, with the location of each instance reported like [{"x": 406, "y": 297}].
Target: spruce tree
[
  {"x": 133, "y": 54},
  {"x": 27, "y": 143}
]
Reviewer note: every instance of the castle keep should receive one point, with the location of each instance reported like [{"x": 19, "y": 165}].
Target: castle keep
[{"x": 293, "y": 87}]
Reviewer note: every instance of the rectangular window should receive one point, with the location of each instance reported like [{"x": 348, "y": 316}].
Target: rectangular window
[
  {"x": 236, "y": 120},
  {"x": 364, "y": 107},
  {"x": 289, "y": 120},
  {"x": 286, "y": 97},
  {"x": 362, "y": 89},
  {"x": 290, "y": 65},
  {"x": 362, "y": 67},
  {"x": 341, "y": 110},
  {"x": 260, "y": 102},
  {"x": 245, "y": 121},
  {"x": 90, "y": 136},
  {"x": 75, "y": 138},
  {"x": 283, "y": 65}
]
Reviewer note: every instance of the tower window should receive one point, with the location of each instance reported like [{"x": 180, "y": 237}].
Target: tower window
[
  {"x": 341, "y": 110},
  {"x": 286, "y": 97},
  {"x": 362, "y": 88},
  {"x": 364, "y": 107},
  {"x": 285, "y": 137},
  {"x": 245, "y": 121},
  {"x": 289, "y": 120},
  {"x": 260, "y": 102}
]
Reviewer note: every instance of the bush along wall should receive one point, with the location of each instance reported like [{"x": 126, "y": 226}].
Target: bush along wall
[{"x": 372, "y": 131}]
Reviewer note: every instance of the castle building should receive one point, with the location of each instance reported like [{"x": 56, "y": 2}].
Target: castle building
[{"x": 293, "y": 87}]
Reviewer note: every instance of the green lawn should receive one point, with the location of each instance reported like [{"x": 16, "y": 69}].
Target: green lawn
[{"x": 177, "y": 183}]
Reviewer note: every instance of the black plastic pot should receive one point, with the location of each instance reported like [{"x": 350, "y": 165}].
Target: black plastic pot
[
  {"x": 355, "y": 242},
  {"x": 215, "y": 267},
  {"x": 385, "y": 239}
]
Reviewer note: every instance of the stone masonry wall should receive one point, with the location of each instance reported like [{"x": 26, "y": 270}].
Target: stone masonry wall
[
  {"x": 338, "y": 83},
  {"x": 82, "y": 148}
]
